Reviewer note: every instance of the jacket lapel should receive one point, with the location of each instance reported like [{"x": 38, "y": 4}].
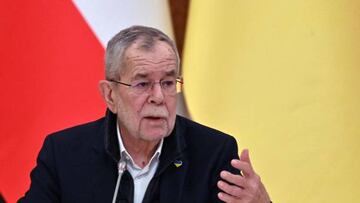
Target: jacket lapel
[
  {"x": 173, "y": 166},
  {"x": 171, "y": 171},
  {"x": 106, "y": 155},
  {"x": 172, "y": 181}
]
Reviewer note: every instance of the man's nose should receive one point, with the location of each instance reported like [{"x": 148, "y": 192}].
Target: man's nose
[{"x": 156, "y": 94}]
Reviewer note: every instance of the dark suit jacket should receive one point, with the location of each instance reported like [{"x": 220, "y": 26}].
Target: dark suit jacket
[{"x": 79, "y": 164}]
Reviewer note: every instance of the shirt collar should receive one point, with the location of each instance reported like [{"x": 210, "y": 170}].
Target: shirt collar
[
  {"x": 173, "y": 147},
  {"x": 124, "y": 152}
]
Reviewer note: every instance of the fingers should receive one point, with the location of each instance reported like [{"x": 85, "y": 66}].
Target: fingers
[
  {"x": 226, "y": 198},
  {"x": 232, "y": 190},
  {"x": 237, "y": 188},
  {"x": 245, "y": 157},
  {"x": 233, "y": 179},
  {"x": 243, "y": 166}
]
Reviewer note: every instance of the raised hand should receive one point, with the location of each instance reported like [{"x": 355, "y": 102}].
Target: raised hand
[{"x": 247, "y": 188}]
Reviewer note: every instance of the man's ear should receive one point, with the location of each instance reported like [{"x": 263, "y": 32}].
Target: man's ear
[{"x": 108, "y": 95}]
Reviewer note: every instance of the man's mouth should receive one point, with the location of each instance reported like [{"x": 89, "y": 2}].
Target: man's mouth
[{"x": 154, "y": 118}]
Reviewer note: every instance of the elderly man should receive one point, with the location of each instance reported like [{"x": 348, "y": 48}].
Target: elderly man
[{"x": 141, "y": 151}]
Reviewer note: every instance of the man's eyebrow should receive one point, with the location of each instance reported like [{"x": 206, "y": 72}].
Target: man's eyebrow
[
  {"x": 145, "y": 75},
  {"x": 171, "y": 72},
  {"x": 140, "y": 76}
]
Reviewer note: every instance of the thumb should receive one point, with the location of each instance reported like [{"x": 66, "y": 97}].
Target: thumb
[{"x": 245, "y": 157}]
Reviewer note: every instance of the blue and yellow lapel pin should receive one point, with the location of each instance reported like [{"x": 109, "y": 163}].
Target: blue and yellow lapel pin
[{"x": 178, "y": 163}]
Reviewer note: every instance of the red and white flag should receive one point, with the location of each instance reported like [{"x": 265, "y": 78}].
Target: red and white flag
[{"x": 51, "y": 61}]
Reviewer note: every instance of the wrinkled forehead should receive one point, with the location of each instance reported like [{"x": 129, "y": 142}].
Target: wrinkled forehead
[
  {"x": 143, "y": 59},
  {"x": 146, "y": 47}
]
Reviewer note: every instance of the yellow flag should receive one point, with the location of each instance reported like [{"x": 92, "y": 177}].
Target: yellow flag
[{"x": 284, "y": 78}]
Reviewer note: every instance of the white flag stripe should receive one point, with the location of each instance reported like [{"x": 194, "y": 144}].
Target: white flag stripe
[{"x": 108, "y": 17}]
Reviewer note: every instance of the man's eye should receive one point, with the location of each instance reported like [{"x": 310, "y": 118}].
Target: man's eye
[
  {"x": 168, "y": 83},
  {"x": 142, "y": 85}
]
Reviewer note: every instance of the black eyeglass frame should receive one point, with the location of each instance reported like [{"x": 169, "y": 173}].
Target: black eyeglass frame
[{"x": 177, "y": 80}]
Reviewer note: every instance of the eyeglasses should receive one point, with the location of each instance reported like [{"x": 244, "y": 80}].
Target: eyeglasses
[{"x": 168, "y": 86}]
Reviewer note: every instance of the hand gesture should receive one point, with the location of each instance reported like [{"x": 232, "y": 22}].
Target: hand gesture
[{"x": 247, "y": 188}]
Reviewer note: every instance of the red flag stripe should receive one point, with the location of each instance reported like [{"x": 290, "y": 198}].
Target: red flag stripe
[{"x": 50, "y": 66}]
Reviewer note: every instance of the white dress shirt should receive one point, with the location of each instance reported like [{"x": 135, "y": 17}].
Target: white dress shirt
[{"x": 141, "y": 176}]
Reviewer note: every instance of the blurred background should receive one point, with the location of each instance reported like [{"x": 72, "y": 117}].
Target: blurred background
[{"x": 281, "y": 76}]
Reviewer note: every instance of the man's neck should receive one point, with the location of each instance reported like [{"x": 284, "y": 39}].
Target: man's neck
[{"x": 141, "y": 151}]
